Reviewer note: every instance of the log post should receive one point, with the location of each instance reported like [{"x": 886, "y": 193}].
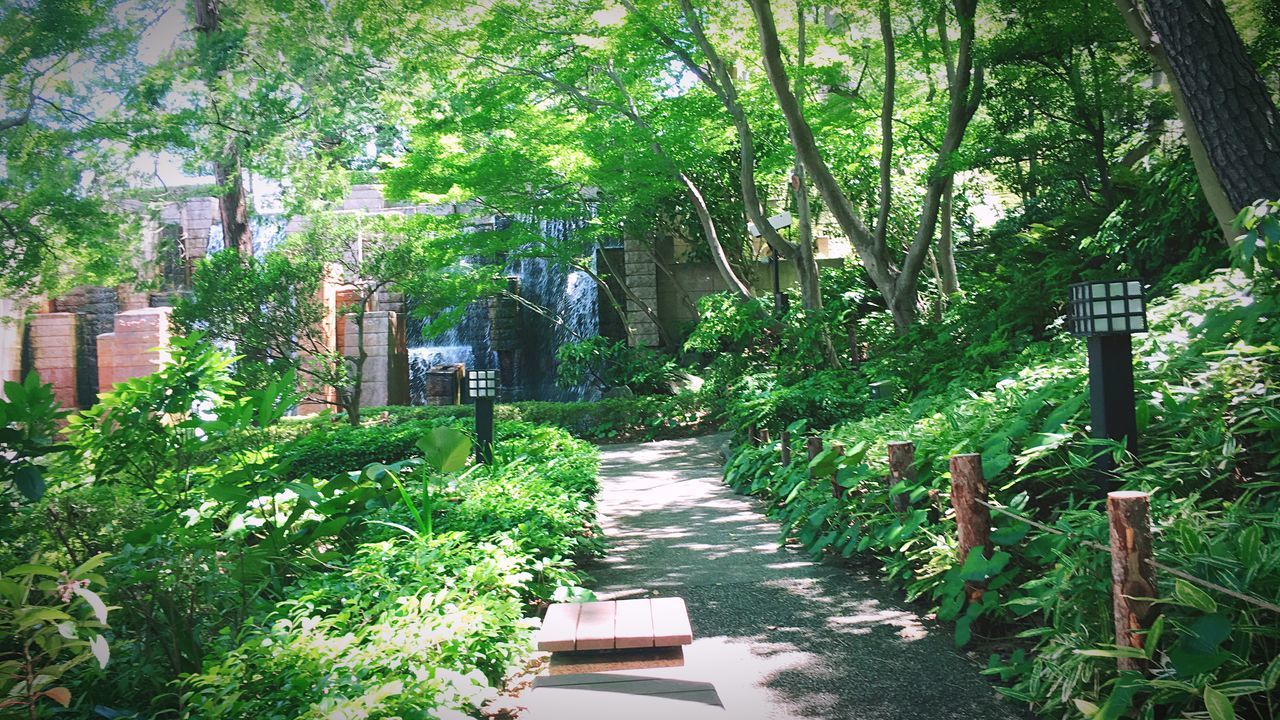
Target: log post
[
  {"x": 752, "y": 437},
  {"x": 785, "y": 440},
  {"x": 762, "y": 436},
  {"x": 1132, "y": 577},
  {"x": 973, "y": 519},
  {"x": 837, "y": 492},
  {"x": 813, "y": 445},
  {"x": 902, "y": 466}
]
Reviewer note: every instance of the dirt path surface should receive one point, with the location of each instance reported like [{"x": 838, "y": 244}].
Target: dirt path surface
[{"x": 775, "y": 634}]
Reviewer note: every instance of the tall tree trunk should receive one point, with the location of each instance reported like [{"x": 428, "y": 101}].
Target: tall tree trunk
[
  {"x": 233, "y": 203},
  {"x": 810, "y": 285},
  {"x": 874, "y": 256},
  {"x": 886, "y": 122},
  {"x": 946, "y": 245},
  {"x": 1225, "y": 97}
]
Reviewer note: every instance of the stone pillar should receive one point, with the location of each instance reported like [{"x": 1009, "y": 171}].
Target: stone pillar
[
  {"x": 11, "y": 330},
  {"x": 137, "y": 346},
  {"x": 504, "y": 335},
  {"x": 326, "y": 397},
  {"x": 642, "y": 278},
  {"x": 386, "y": 367},
  {"x": 53, "y": 349}
]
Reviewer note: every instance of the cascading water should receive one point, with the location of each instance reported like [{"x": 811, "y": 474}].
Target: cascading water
[{"x": 566, "y": 301}]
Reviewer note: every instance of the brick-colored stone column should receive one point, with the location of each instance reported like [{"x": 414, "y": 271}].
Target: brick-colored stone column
[
  {"x": 386, "y": 367},
  {"x": 137, "y": 347},
  {"x": 53, "y": 349}
]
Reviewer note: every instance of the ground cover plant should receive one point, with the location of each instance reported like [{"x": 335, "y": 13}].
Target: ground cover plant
[
  {"x": 223, "y": 554},
  {"x": 1208, "y": 381}
]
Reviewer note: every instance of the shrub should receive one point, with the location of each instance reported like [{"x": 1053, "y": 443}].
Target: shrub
[{"x": 610, "y": 364}]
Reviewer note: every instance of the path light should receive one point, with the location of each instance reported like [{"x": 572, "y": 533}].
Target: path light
[
  {"x": 483, "y": 386},
  {"x": 777, "y": 222},
  {"x": 1108, "y": 314}
]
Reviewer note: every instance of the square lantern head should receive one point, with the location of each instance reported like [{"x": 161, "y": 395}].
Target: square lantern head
[
  {"x": 1113, "y": 307},
  {"x": 483, "y": 383}
]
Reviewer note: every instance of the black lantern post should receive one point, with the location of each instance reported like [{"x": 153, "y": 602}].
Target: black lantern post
[
  {"x": 1109, "y": 314},
  {"x": 483, "y": 386},
  {"x": 777, "y": 222}
]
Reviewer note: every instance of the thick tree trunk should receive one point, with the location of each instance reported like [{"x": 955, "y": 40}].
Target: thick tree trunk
[
  {"x": 1210, "y": 185},
  {"x": 1226, "y": 98}
]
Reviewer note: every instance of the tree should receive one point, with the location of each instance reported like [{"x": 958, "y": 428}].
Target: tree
[
  {"x": 1226, "y": 100},
  {"x": 59, "y": 221},
  {"x": 896, "y": 282}
]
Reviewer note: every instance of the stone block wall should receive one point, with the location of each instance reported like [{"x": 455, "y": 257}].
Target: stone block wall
[
  {"x": 53, "y": 339},
  {"x": 96, "y": 309},
  {"x": 11, "y": 332},
  {"x": 386, "y": 367},
  {"x": 642, "y": 277},
  {"x": 136, "y": 347}
]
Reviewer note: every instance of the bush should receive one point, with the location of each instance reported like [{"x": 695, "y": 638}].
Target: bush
[
  {"x": 610, "y": 364},
  {"x": 416, "y": 625}
]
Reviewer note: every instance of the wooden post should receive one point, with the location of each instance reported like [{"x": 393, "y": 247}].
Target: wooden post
[
  {"x": 902, "y": 466},
  {"x": 973, "y": 519},
  {"x": 837, "y": 492},
  {"x": 814, "y": 446},
  {"x": 762, "y": 436},
  {"x": 1132, "y": 576},
  {"x": 785, "y": 440},
  {"x": 752, "y": 437}
]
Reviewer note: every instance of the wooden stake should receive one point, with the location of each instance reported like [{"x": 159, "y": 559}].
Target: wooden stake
[
  {"x": 762, "y": 436},
  {"x": 902, "y": 466},
  {"x": 785, "y": 439},
  {"x": 837, "y": 492},
  {"x": 1132, "y": 577},
  {"x": 973, "y": 519},
  {"x": 752, "y": 437}
]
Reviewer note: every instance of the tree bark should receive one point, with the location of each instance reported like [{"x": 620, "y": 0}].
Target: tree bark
[
  {"x": 1210, "y": 185},
  {"x": 233, "y": 203},
  {"x": 886, "y": 122},
  {"x": 1225, "y": 96},
  {"x": 946, "y": 245}
]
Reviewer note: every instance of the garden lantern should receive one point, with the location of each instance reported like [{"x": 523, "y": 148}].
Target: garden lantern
[
  {"x": 483, "y": 386},
  {"x": 777, "y": 222},
  {"x": 1108, "y": 314}
]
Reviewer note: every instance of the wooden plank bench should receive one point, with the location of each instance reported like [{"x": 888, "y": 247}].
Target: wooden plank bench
[{"x": 615, "y": 625}]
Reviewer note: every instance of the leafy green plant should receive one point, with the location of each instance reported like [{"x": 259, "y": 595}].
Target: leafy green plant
[
  {"x": 50, "y": 622},
  {"x": 1259, "y": 242},
  {"x": 611, "y": 364},
  {"x": 29, "y": 417}
]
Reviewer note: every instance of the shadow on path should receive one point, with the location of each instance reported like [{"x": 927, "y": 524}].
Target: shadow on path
[{"x": 775, "y": 634}]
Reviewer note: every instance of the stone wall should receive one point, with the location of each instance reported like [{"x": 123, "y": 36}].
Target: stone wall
[
  {"x": 53, "y": 339},
  {"x": 137, "y": 346},
  {"x": 386, "y": 367}
]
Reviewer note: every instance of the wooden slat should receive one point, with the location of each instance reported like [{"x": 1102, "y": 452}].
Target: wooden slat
[
  {"x": 595, "y": 626},
  {"x": 559, "y": 628},
  {"x": 670, "y": 622},
  {"x": 633, "y": 627}
]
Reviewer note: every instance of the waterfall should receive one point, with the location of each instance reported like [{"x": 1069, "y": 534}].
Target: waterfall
[{"x": 568, "y": 300}]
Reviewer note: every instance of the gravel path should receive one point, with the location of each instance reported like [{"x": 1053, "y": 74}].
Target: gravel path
[{"x": 775, "y": 635}]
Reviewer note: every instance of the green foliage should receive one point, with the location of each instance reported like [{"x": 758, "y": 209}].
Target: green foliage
[
  {"x": 29, "y": 417},
  {"x": 1207, "y": 382},
  {"x": 420, "y": 625},
  {"x": 610, "y": 364},
  {"x": 1259, "y": 243},
  {"x": 50, "y": 622},
  {"x": 636, "y": 419}
]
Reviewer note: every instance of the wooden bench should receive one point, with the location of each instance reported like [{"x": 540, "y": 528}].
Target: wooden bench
[{"x": 615, "y": 625}]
